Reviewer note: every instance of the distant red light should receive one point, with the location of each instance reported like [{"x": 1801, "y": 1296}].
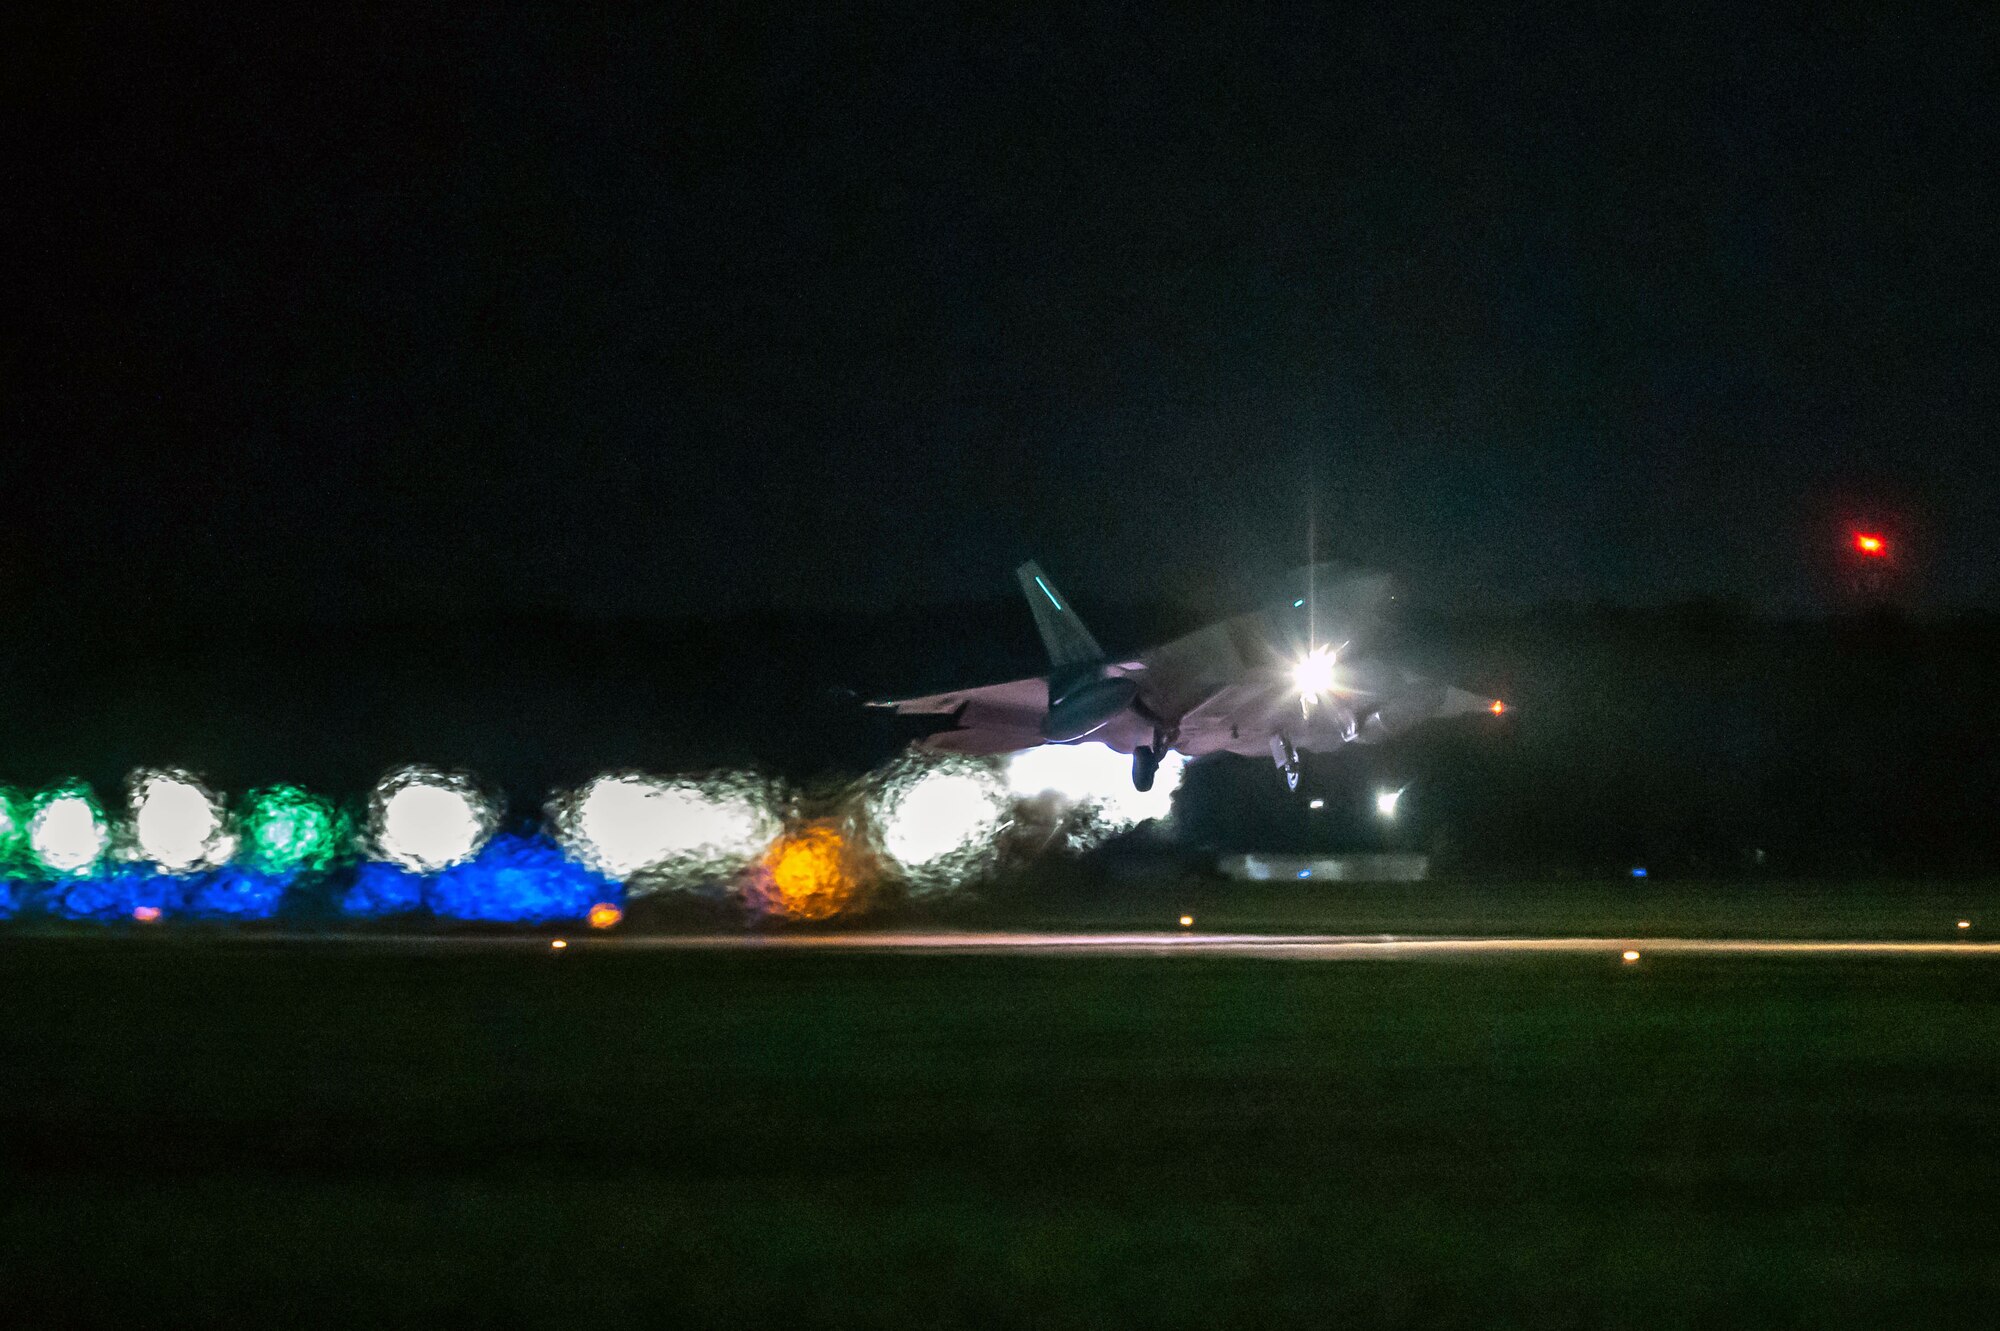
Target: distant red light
[
  {"x": 1871, "y": 544},
  {"x": 1498, "y": 708}
]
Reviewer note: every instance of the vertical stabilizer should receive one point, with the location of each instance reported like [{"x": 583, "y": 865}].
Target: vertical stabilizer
[{"x": 1068, "y": 641}]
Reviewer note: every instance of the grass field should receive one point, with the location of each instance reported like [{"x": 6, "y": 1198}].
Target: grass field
[
  {"x": 254, "y": 1133},
  {"x": 1608, "y": 908}
]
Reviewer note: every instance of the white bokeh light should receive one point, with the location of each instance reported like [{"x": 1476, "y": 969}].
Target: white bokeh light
[
  {"x": 67, "y": 834},
  {"x": 178, "y": 825},
  {"x": 941, "y": 813},
  {"x": 1096, "y": 776},
  {"x": 625, "y": 825},
  {"x": 427, "y": 821}
]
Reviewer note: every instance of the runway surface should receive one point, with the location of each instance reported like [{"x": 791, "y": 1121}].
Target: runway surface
[{"x": 1289, "y": 947}]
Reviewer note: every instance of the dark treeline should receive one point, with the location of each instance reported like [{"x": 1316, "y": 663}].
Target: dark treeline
[{"x": 1691, "y": 740}]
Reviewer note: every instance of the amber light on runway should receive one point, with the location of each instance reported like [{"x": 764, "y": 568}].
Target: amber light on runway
[
  {"x": 808, "y": 875},
  {"x": 1630, "y": 956},
  {"x": 558, "y": 943}
]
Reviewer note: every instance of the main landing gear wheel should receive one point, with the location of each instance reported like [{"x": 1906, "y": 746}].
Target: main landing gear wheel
[
  {"x": 1287, "y": 759},
  {"x": 1145, "y": 765}
]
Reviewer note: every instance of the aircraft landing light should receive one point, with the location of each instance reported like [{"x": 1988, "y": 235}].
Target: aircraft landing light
[
  {"x": 1314, "y": 673},
  {"x": 1630, "y": 956},
  {"x": 1497, "y": 707},
  {"x": 1965, "y": 924},
  {"x": 558, "y": 943},
  {"x": 1187, "y": 921}
]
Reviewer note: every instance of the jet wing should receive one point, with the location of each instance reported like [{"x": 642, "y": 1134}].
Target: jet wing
[
  {"x": 1241, "y": 717},
  {"x": 1026, "y": 697},
  {"x": 993, "y": 718}
]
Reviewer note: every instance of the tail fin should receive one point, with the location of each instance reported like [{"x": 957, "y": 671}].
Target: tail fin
[{"x": 1068, "y": 641}]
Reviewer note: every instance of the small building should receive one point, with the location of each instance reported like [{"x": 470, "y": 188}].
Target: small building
[{"x": 1378, "y": 868}]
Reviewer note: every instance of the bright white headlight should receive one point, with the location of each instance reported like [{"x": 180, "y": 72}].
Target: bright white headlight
[
  {"x": 67, "y": 834},
  {"x": 426, "y": 821},
  {"x": 177, "y": 823},
  {"x": 664, "y": 832},
  {"x": 940, "y": 813}
]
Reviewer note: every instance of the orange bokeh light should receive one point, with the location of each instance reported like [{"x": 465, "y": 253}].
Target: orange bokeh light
[
  {"x": 1871, "y": 543},
  {"x": 808, "y": 875},
  {"x": 603, "y": 915}
]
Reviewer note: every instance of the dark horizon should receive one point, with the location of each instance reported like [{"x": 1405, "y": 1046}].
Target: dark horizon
[{"x": 406, "y": 314}]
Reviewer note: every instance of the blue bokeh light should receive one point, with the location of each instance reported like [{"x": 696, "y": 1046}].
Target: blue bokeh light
[
  {"x": 382, "y": 889},
  {"x": 235, "y": 893},
  {"x": 512, "y": 880},
  {"x": 523, "y": 880},
  {"x": 114, "y": 895}
]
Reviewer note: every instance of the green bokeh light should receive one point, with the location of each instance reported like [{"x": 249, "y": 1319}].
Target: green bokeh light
[
  {"x": 288, "y": 830},
  {"x": 13, "y": 832}
]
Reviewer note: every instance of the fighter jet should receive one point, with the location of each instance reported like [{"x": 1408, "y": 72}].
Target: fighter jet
[{"x": 1291, "y": 678}]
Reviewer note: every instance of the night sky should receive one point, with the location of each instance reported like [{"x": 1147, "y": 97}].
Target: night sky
[{"x": 408, "y": 314}]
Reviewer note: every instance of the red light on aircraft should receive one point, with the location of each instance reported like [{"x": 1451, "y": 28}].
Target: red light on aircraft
[{"x": 1872, "y": 544}]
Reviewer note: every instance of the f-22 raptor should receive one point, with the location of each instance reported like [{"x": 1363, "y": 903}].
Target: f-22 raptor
[{"x": 1278, "y": 681}]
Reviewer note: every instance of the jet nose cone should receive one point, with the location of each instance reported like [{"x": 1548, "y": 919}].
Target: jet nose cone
[{"x": 1457, "y": 702}]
